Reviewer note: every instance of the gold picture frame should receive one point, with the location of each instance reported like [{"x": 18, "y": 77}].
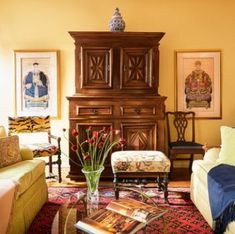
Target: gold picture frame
[
  {"x": 37, "y": 83},
  {"x": 198, "y": 83}
]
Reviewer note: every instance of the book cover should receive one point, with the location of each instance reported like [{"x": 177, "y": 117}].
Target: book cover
[{"x": 123, "y": 216}]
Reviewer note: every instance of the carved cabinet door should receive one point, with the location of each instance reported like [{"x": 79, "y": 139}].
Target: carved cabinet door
[
  {"x": 136, "y": 68},
  {"x": 96, "y": 67}
]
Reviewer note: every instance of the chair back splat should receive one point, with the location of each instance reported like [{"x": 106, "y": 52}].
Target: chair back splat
[{"x": 181, "y": 136}]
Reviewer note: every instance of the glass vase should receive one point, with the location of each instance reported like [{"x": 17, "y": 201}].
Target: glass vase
[{"x": 92, "y": 180}]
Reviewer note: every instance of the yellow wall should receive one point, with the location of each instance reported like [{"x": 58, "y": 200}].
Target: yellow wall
[{"x": 194, "y": 24}]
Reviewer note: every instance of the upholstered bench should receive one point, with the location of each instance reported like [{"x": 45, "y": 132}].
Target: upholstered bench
[{"x": 140, "y": 167}]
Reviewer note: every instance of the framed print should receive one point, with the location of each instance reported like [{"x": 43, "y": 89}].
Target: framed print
[
  {"x": 198, "y": 83},
  {"x": 37, "y": 83}
]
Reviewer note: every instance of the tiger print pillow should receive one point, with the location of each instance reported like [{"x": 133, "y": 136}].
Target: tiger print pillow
[
  {"x": 28, "y": 124},
  {"x": 19, "y": 124},
  {"x": 40, "y": 123}
]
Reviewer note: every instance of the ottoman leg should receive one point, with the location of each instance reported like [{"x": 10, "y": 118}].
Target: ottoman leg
[
  {"x": 165, "y": 183},
  {"x": 159, "y": 183},
  {"x": 116, "y": 189},
  {"x": 116, "y": 193}
]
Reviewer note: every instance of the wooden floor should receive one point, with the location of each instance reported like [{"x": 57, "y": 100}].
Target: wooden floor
[{"x": 180, "y": 177}]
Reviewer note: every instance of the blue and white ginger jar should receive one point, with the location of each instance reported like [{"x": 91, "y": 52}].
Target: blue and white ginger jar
[{"x": 117, "y": 24}]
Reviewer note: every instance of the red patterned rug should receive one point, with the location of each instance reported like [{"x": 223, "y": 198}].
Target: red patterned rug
[{"x": 182, "y": 216}]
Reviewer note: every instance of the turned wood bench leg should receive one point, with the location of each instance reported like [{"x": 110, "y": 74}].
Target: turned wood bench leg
[
  {"x": 165, "y": 186},
  {"x": 162, "y": 183},
  {"x": 116, "y": 189}
]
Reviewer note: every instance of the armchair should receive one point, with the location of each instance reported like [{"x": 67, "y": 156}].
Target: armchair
[{"x": 35, "y": 133}]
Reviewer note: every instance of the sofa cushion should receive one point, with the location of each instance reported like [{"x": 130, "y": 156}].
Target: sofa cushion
[
  {"x": 9, "y": 151},
  {"x": 200, "y": 168},
  {"x": 26, "y": 152},
  {"x": 212, "y": 155},
  {"x": 227, "y": 153},
  {"x": 25, "y": 173}
]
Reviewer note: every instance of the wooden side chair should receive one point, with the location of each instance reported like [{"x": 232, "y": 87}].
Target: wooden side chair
[
  {"x": 181, "y": 136},
  {"x": 35, "y": 133}
]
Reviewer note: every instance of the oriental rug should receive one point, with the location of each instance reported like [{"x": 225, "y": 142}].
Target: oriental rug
[{"x": 182, "y": 216}]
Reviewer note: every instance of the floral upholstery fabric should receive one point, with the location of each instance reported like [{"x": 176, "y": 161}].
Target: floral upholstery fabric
[
  {"x": 9, "y": 151},
  {"x": 139, "y": 161}
]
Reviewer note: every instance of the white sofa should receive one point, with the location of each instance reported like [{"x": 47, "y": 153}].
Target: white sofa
[{"x": 199, "y": 190}]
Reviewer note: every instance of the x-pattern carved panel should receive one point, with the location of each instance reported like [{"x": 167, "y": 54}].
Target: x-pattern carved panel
[
  {"x": 139, "y": 137},
  {"x": 138, "y": 140},
  {"x": 96, "y": 67},
  {"x": 96, "y": 64},
  {"x": 136, "y": 68}
]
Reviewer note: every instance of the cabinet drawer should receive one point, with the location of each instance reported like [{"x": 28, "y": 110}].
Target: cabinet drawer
[
  {"x": 94, "y": 110},
  {"x": 138, "y": 110}
]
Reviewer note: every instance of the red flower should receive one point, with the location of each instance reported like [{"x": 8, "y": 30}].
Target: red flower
[
  {"x": 122, "y": 141},
  {"x": 95, "y": 134},
  {"x": 74, "y": 148},
  {"x": 75, "y": 132},
  {"x": 87, "y": 157},
  {"x": 93, "y": 150},
  {"x": 100, "y": 145},
  {"x": 91, "y": 141}
]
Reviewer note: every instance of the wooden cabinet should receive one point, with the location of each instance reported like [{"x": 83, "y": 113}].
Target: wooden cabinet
[{"x": 116, "y": 85}]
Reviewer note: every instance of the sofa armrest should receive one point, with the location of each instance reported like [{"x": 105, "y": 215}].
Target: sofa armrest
[
  {"x": 212, "y": 154},
  {"x": 26, "y": 153},
  {"x": 2, "y": 131}
]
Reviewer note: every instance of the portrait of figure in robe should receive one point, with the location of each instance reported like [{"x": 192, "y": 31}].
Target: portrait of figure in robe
[
  {"x": 198, "y": 88},
  {"x": 36, "y": 88}
]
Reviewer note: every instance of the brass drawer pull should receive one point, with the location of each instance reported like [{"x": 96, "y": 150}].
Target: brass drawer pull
[
  {"x": 94, "y": 111},
  {"x": 137, "y": 111}
]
